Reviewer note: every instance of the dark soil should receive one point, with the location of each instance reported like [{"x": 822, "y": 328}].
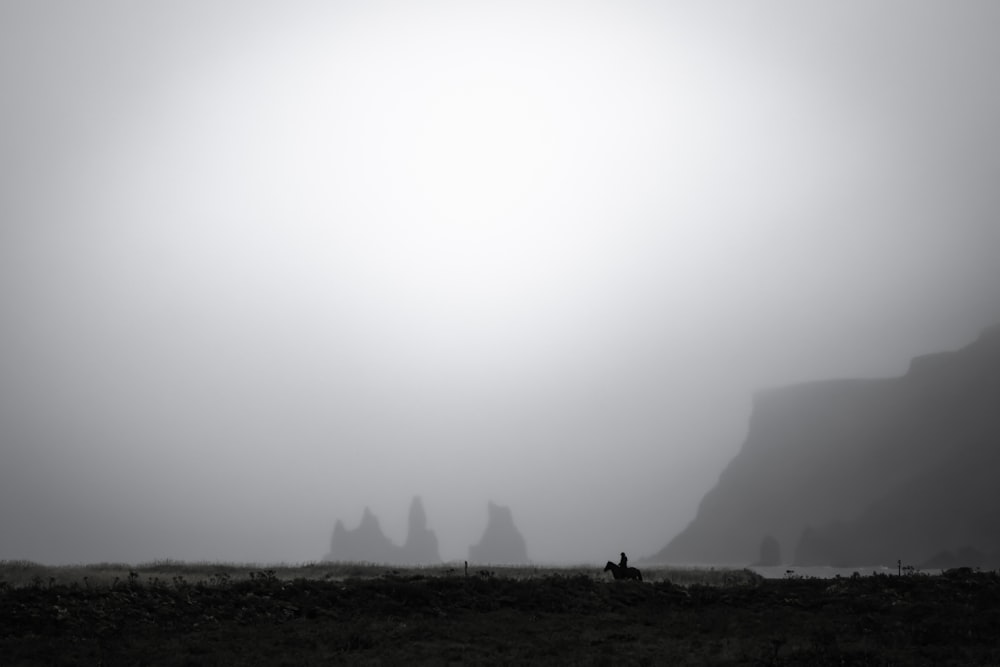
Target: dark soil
[{"x": 951, "y": 619}]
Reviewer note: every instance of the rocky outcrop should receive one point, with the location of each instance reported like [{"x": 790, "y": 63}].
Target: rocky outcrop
[
  {"x": 421, "y": 546},
  {"x": 502, "y": 543},
  {"x": 367, "y": 542},
  {"x": 770, "y": 552},
  {"x": 863, "y": 472}
]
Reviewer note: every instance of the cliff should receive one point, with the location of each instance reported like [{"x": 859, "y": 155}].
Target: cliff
[{"x": 861, "y": 472}]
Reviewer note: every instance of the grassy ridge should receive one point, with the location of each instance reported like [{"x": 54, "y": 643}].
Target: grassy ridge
[{"x": 169, "y": 614}]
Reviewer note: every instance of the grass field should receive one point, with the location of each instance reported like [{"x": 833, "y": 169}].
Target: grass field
[
  {"x": 21, "y": 573},
  {"x": 171, "y": 613}
]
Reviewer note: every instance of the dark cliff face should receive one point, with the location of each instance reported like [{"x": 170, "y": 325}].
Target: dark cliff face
[{"x": 860, "y": 472}]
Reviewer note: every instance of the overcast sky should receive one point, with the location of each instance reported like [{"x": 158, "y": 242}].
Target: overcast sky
[{"x": 265, "y": 264}]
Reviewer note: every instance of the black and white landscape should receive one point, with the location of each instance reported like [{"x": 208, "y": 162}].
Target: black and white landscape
[{"x": 655, "y": 278}]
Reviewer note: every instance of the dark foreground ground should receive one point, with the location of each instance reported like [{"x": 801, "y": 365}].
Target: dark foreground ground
[{"x": 445, "y": 617}]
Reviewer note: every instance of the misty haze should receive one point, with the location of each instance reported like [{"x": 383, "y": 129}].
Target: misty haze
[{"x": 272, "y": 273}]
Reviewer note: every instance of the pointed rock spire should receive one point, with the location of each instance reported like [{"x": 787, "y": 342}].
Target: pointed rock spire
[
  {"x": 502, "y": 543},
  {"x": 367, "y": 542},
  {"x": 421, "y": 547}
]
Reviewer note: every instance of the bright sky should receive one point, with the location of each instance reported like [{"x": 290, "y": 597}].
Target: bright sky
[{"x": 265, "y": 264}]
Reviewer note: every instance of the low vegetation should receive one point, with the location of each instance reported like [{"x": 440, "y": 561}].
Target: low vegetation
[{"x": 172, "y": 613}]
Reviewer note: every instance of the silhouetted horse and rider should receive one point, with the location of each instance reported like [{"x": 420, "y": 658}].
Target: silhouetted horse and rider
[{"x": 622, "y": 570}]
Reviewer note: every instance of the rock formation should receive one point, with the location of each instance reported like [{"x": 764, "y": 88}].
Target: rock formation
[
  {"x": 367, "y": 542},
  {"x": 502, "y": 543},
  {"x": 770, "y": 552},
  {"x": 421, "y": 546},
  {"x": 864, "y": 472}
]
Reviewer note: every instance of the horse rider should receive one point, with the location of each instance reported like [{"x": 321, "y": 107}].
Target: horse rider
[{"x": 623, "y": 563}]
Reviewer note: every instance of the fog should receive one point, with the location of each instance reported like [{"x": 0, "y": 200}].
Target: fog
[{"x": 265, "y": 264}]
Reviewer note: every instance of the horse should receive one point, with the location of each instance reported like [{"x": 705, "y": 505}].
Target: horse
[{"x": 623, "y": 573}]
